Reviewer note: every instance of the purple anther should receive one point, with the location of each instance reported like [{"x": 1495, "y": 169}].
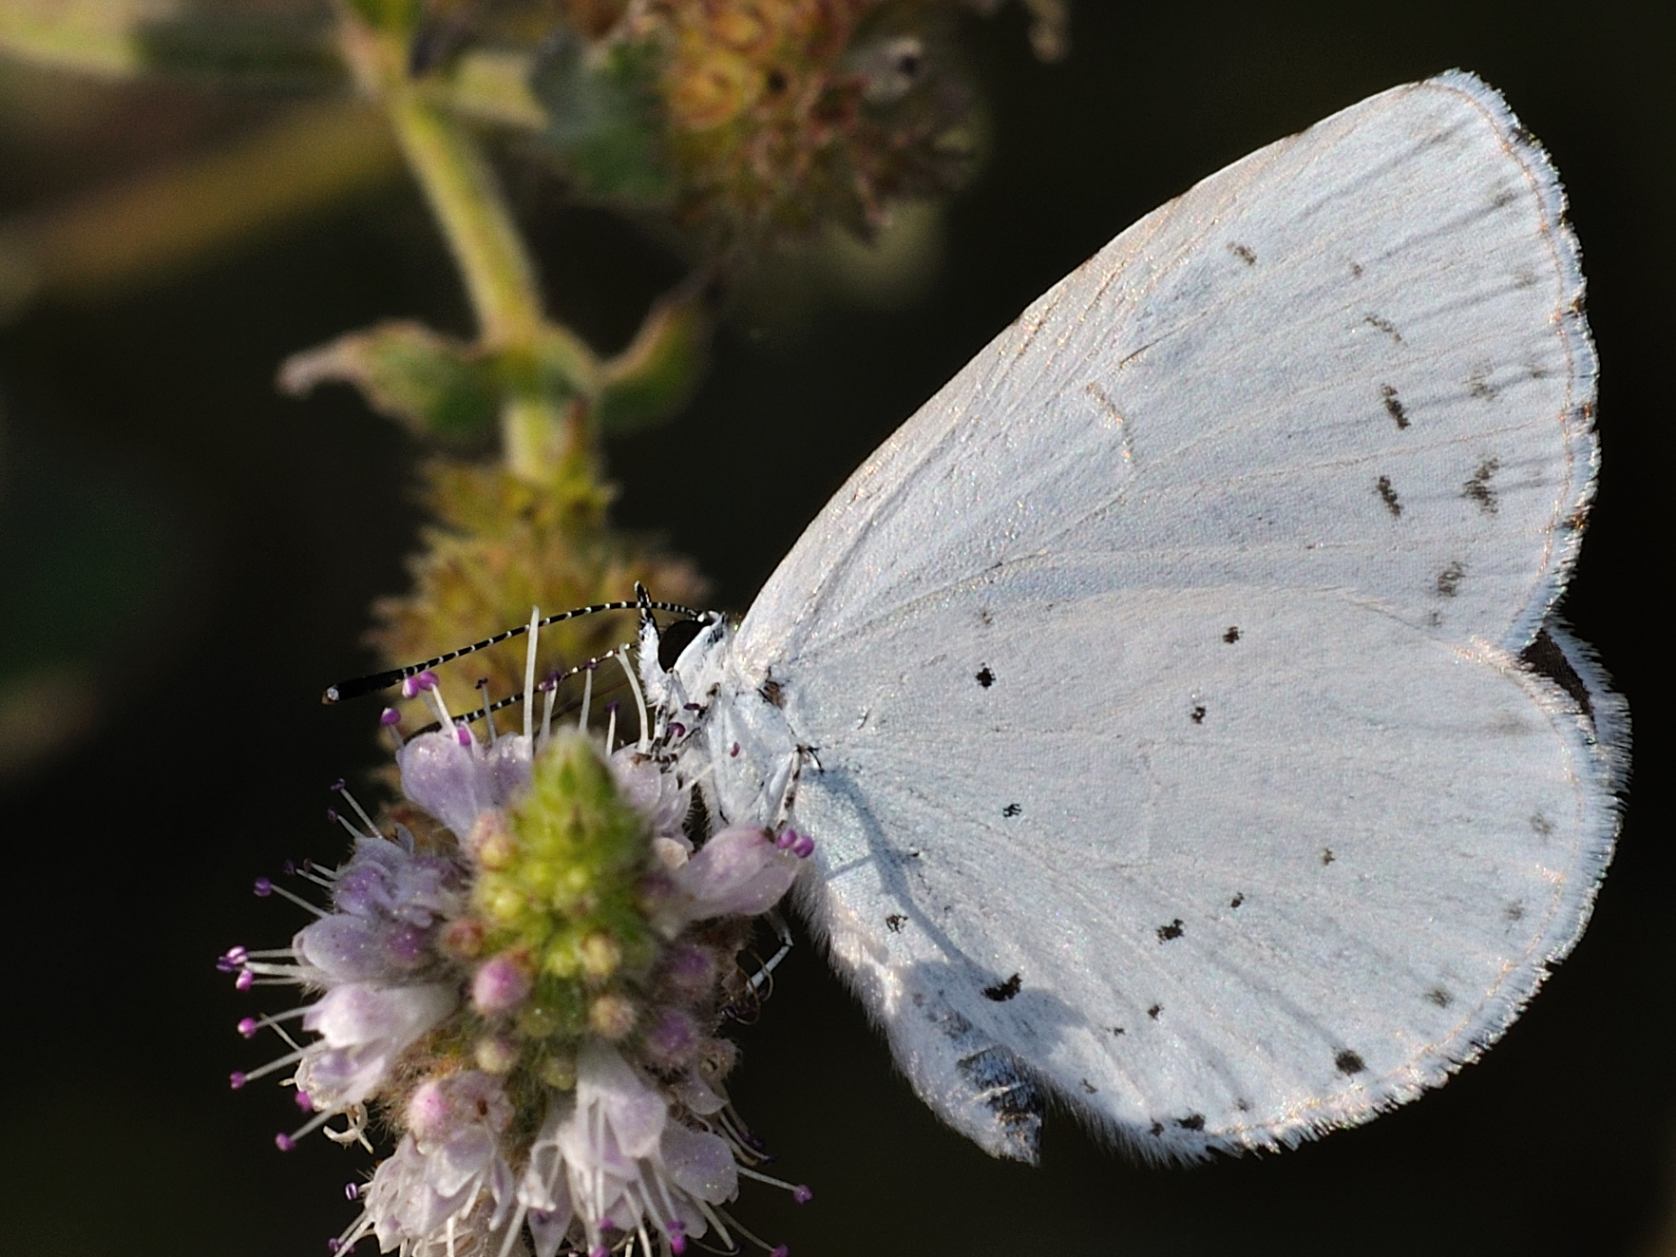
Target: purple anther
[
  {"x": 351, "y": 1191},
  {"x": 802, "y": 1194},
  {"x": 548, "y": 683},
  {"x": 237, "y": 1079},
  {"x": 804, "y": 847},
  {"x": 249, "y": 1026},
  {"x": 677, "y": 1241},
  {"x": 389, "y": 716},
  {"x": 410, "y": 687},
  {"x": 779, "y": 1250},
  {"x": 482, "y": 683},
  {"x": 462, "y": 735},
  {"x": 733, "y": 751},
  {"x": 264, "y": 888},
  {"x": 244, "y": 981},
  {"x": 331, "y": 816},
  {"x": 338, "y": 786},
  {"x": 284, "y": 1142},
  {"x": 692, "y": 707},
  {"x": 334, "y": 1245},
  {"x": 289, "y": 868},
  {"x": 426, "y": 680},
  {"x": 677, "y": 729},
  {"x": 303, "y": 1101},
  {"x": 232, "y": 958},
  {"x": 786, "y": 839}
]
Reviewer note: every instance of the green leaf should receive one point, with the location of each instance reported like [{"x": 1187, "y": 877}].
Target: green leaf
[
  {"x": 605, "y": 119},
  {"x": 651, "y": 380},
  {"x": 437, "y": 386}
]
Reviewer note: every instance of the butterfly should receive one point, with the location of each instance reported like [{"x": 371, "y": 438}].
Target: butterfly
[{"x": 1177, "y": 698}]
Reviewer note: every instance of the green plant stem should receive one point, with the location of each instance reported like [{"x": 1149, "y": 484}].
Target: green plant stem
[{"x": 543, "y": 427}]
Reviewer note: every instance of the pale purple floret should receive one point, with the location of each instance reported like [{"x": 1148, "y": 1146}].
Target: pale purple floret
[
  {"x": 654, "y": 792},
  {"x": 448, "y": 1166},
  {"x": 740, "y": 871},
  {"x": 456, "y": 780},
  {"x": 615, "y": 1159},
  {"x": 363, "y": 1027},
  {"x": 388, "y": 901}
]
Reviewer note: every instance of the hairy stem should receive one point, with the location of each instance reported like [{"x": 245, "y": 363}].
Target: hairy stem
[{"x": 543, "y": 420}]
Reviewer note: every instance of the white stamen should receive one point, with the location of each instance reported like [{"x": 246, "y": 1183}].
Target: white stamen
[
  {"x": 361, "y": 812},
  {"x": 441, "y": 707},
  {"x": 529, "y": 677},
  {"x": 643, "y": 742},
  {"x": 279, "y": 890}
]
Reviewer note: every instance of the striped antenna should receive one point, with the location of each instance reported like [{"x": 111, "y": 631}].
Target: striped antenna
[
  {"x": 552, "y": 681},
  {"x": 355, "y": 687}
]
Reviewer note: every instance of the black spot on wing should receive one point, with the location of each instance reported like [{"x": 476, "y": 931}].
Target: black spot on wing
[
  {"x": 1478, "y": 383},
  {"x": 1514, "y": 912},
  {"x": 1090, "y": 1088},
  {"x": 1193, "y": 1121},
  {"x": 1154, "y": 1011},
  {"x": 994, "y": 1077},
  {"x": 1449, "y": 579},
  {"x": 1237, "y": 900},
  {"x": 1169, "y": 933},
  {"x": 1118, "y": 1030},
  {"x": 1243, "y": 253},
  {"x": 1197, "y": 715},
  {"x": 894, "y": 922},
  {"x": 1349, "y": 1062},
  {"x": 1478, "y": 489},
  {"x": 1232, "y": 635},
  {"x": 1541, "y": 826},
  {"x": 1327, "y": 856},
  {"x": 1393, "y": 405},
  {"x": 1379, "y": 323},
  {"x": 1004, "y": 991},
  {"x": 772, "y": 692},
  {"x": 985, "y": 677},
  {"x": 1388, "y": 495},
  {"x": 1012, "y": 809},
  {"x": 1437, "y": 995},
  {"x": 1158, "y": 1128},
  {"x": 1355, "y": 270}
]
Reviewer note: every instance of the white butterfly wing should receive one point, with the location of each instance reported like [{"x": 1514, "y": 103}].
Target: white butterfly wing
[
  {"x": 1355, "y": 359},
  {"x": 1164, "y": 667}
]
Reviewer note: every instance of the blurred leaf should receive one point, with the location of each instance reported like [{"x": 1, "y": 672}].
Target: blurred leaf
[
  {"x": 440, "y": 387},
  {"x": 656, "y": 375},
  {"x": 491, "y": 85},
  {"x": 604, "y": 117},
  {"x": 264, "y": 41}
]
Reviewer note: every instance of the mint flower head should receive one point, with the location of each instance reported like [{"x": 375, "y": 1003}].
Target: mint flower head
[{"x": 523, "y": 982}]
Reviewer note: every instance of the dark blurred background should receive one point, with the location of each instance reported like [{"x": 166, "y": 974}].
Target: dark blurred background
[{"x": 187, "y": 556}]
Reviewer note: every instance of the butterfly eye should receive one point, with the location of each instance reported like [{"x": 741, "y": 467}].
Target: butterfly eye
[{"x": 674, "y": 639}]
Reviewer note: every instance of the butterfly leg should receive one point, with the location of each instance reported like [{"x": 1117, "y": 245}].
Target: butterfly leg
[{"x": 794, "y": 775}]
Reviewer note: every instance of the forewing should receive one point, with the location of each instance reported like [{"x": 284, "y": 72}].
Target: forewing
[
  {"x": 1222, "y": 867},
  {"x": 1355, "y": 360}
]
